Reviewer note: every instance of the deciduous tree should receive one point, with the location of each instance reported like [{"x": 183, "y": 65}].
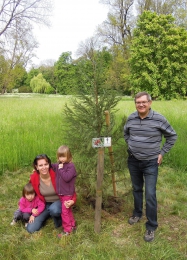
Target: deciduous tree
[
  {"x": 159, "y": 57},
  {"x": 116, "y": 29},
  {"x": 17, "y": 43},
  {"x": 65, "y": 74},
  {"x": 177, "y": 8},
  {"x": 19, "y": 12},
  {"x": 39, "y": 85}
]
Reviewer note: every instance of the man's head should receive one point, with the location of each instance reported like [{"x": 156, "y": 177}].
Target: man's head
[{"x": 143, "y": 103}]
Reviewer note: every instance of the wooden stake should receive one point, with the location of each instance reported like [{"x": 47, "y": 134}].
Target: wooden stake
[
  {"x": 98, "y": 204},
  {"x": 110, "y": 150}
]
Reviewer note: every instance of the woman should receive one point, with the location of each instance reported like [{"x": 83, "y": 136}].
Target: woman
[{"x": 43, "y": 182}]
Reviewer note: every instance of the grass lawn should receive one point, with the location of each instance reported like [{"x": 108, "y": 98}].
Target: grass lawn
[{"x": 117, "y": 239}]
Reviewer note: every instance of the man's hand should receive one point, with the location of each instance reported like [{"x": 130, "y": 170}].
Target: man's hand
[{"x": 159, "y": 159}]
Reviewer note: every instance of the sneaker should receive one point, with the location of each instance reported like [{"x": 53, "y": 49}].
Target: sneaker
[
  {"x": 63, "y": 234},
  {"x": 73, "y": 229},
  {"x": 13, "y": 222},
  {"x": 149, "y": 235},
  {"x": 133, "y": 220},
  {"x": 26, "y": 224}
]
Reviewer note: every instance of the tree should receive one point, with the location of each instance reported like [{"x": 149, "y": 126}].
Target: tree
[
  {"x": 3, "y": 70},
  {"x": 17, "y": 43},
  {"x": 20, "y": 12},
  {"x": 116, "y": 32},
  {"x": 65, "y": 74},
  {"x": 118, "y": 73},
  {"x": 20, "y": 47},
  {"x": 158, "y": 60},
  {"x": 85, "y": 114},
  {"x": 177, "y": 8},
  {"x": 11, "y": 78},
  {"x": 92, "y": 67},
  {"x": 118, "y": 26},
  {"x": 48, "y": 71},
  {"x": 40, "y": 85},
  {"x": 18, "y": 51},
  {"x": 18, "y": 76}
]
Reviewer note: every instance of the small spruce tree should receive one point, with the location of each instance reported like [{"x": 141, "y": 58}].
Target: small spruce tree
[{"x": 84, "y": 119}]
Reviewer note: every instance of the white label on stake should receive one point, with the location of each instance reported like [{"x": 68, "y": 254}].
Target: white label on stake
[
  {"x": 101, "y": 142},
  {"x": 107, "y": 141}
]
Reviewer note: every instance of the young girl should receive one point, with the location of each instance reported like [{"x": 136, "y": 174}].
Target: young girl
[
  {"x": 65, "y": 186},
  {"x": 30, "y": 206}
]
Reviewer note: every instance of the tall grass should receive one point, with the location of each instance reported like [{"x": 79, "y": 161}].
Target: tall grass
[
  {"x": 32, "y": 124},
  {"x": 175, "y": 112}
]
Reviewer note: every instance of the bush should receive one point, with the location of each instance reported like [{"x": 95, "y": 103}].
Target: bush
[
  {"x": 50, "y": 90},
  {"x": 24, "y": 89}
]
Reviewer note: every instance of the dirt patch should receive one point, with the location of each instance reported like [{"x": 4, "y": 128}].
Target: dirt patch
[{"x": 111, "y": 204}]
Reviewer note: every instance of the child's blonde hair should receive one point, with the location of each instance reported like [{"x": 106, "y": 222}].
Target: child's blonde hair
[
  {"x": 28, "y": 189},
  {"x": 64, "y": 151}
]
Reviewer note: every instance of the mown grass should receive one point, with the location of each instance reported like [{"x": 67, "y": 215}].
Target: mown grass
[
  {"x": 117, "y": 239},
  {"x": 31, "y": 125}
]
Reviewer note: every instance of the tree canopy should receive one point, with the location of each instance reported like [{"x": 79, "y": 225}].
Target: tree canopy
[
  {"x": 158, "y": 60},
  {"x": 17, "y": 43}
]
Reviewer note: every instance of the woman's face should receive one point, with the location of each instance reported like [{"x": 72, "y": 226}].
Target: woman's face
[{"x": 42, "y": 166}]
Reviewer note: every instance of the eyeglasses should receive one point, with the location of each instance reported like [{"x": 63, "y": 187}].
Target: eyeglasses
[{"x": 143, "y": 103}]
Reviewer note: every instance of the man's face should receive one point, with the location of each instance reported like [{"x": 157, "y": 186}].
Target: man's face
[{"x": 143, "y": 105}]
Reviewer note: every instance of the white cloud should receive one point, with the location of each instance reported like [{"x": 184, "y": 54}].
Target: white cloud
[{"x": 73, "y": 21}]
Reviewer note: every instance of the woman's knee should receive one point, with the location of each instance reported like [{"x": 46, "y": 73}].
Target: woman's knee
[
  {"x": 32, "y": 228},
  {"x": 55, "y": 209}
]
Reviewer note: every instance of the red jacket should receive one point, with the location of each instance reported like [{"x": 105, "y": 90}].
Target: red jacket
[{"x": 35, "y": 181}]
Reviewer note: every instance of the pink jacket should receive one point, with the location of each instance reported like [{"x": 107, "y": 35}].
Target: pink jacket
[{"x": 27, "y": 206}]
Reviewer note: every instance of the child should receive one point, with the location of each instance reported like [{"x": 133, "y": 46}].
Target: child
[
  {"x": 65, "y": 186},
  {"x": 30, "y": 206}
]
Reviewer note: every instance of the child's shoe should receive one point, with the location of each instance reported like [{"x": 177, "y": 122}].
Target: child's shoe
[
  {"x": 63, "y": 234},
  {"x": 13, "y": 222}
]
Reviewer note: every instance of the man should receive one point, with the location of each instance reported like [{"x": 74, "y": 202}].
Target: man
[{"x": 143, "y": 133}]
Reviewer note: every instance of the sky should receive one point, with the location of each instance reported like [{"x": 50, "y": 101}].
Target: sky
[{"x": 73, "y": 21}]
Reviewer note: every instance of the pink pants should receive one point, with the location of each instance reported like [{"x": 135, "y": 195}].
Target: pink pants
[{"x": 68, "y": 221}]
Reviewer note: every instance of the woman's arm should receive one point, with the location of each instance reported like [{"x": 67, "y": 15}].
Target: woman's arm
[{"x": 38, "y": 208}]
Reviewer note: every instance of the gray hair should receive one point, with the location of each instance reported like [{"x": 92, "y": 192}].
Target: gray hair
[{"x": 140, "y": 94}]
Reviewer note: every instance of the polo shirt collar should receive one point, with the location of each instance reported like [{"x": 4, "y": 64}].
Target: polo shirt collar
[{"x": 149, "y": 115}]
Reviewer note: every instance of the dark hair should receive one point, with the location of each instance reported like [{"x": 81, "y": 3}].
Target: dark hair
[
  {"x": 140, "y": 94},
  {"x": 39, "y": 157},
  {"x": 28, "y": 189},
  {"x": 64, "y": 151}
]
